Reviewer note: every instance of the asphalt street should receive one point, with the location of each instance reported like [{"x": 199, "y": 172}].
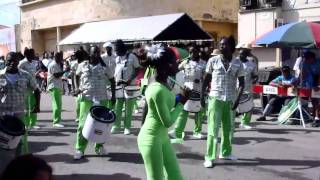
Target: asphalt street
[{"x": 267, "y": 152}]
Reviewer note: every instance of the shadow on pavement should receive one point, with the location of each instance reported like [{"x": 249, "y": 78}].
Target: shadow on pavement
[
  {"x": 191, "y": 156},
  {"x": 287, "y": 131},
  {"x": 256, "y": 140},
  {"x": 36, "y": 147},
  {"x": 308, "y": 164},
  {"x": 117, "y": 176},
  {"x": 135, "y": 158},
  {"x": 66, "y": 158},
  {"x": 52, "y": 132}
]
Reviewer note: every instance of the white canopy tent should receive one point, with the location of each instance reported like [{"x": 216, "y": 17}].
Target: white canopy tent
[{"x": 152, "y": 28}]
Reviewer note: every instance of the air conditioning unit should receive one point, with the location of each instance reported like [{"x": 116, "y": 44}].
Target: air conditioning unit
[
  {"x": 278, "y": 22},
  {"x": 273, "y": 3},
  {"x": 248, "y": 4}
]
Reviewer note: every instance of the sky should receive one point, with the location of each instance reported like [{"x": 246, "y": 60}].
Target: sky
[{"x": 9, "y": 12}]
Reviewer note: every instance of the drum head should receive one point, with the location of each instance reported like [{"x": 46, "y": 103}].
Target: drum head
[
  {"x": 132, "y": 88},
  {"x": 102, "y": 114},
  {"x": 244, "y": 98},
  {"x": 194, "y": 95}
]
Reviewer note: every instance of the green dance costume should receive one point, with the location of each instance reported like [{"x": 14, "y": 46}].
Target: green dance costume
[{"x": 153, "y": 140}]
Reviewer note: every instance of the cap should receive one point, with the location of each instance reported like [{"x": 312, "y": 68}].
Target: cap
[
  {"x": 107, "y": 44},
  {"x": 244, "y": 46},
  {"x": 215, "y": 52}
]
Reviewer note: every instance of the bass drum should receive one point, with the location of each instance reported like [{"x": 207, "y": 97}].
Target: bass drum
[{"x": 180, "y": 80}]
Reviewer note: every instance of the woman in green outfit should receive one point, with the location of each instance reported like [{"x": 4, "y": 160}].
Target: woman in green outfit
[{"x": 163, "y": 109}]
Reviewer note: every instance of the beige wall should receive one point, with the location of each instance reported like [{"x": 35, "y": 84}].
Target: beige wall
[{"x": 52, "y": 13}]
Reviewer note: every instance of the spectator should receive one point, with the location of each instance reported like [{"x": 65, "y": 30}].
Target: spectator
[
  {"x": 2, "y": 64},
  {"x": 27, "y": 167},
  {"x": 285, "y": 79},
  {"x": 309, "y": 78}
]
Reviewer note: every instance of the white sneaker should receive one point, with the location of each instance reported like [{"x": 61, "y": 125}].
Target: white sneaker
[
  {"x": 244, "y": 126},
  {"x": 101, "y": 151},
  {"x": 35, "y": 127},
  {"x": 208, "y": 164},
  {"x": 76, "y": 120},
  {"x": 126, "y": 131},
  {"x": 230, "y": 157},
  {"x": 58, "y": 125},
  {"x": 77, "y": 155},
  {"x": 198, "y": 135},
  {"x": 177, "y": 141},
  {"x": 136, "y": 111},
  {"x": 115, "y": 130}
]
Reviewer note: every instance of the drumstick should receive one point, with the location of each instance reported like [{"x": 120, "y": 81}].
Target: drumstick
[{"x": 173, "y": 80}]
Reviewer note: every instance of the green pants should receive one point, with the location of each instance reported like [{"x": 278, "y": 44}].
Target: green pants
[
  {"x": 158, "y": 157},
  {"x": 30, "y": 118},
  {"x": 56, "y": 104},
  {"x": 246, "y": 118},
  {"x": 23, "y": 147},
  {"x": 78, "y": 106},
  {"x": 81, "y": 142},
  {"x": 182, "y": 121},
  {"x": 219, "y": 112},
  {"x": 129, "y": 103}
]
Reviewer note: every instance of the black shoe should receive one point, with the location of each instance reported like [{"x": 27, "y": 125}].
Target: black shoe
[{"x": 262, "y": 118}]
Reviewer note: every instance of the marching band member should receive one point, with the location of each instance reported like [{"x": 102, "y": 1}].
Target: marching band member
[
  {"x": 55, "y": 86},
  {"x": 250, "y": 78},
  {"x": 14, "y": 88},
  {"x": 74, "y": 66},
  {"x": 153, "y": 140},
  {"x": 125, "y": 72},
  {"x": 30, "y": 65},
  {"x": 110, "y": 60},
  {"x": 194, "y": 71},
  {"x": 91, "y": 84},
  {"x": 223, "y": 72}
]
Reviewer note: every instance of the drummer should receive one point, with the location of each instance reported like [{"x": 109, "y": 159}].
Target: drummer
[
  {"x": 251, "y": 77},
  {"x": 194, "y": 71},
  {"x": 30, "y": 65},
  {"x": 110, "y": 60},
  {"x": 91, "y": 85},
  {"x": 14, "y": 87},
  {"x": 223, "y": 72},
  {"x": 127, "y": 65},
  {"x": 74, "y": 66}
]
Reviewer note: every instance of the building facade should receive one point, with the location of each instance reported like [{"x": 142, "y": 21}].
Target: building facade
[
  {"x": 257, "y": 17},
  {"x": 46, "y": 22}
]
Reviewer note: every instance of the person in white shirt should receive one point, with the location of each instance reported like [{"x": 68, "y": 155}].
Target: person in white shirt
[
  {"x": 30, "y": 65},
  {"x": 250, "y": 77},
  {"x": 127, "y": 65},
  {"x": 55, "y": 73}
]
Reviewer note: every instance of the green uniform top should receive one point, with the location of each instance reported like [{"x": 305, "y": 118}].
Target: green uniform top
[{"x": 161, "y": 114}]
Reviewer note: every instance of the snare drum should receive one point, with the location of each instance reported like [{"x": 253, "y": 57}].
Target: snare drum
[
  {"x": 119, "y": 92},
  {"x": 245, "y": 103},
  {"x": 131, "y": 92},
  {"x": 193, "y": 104}
]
